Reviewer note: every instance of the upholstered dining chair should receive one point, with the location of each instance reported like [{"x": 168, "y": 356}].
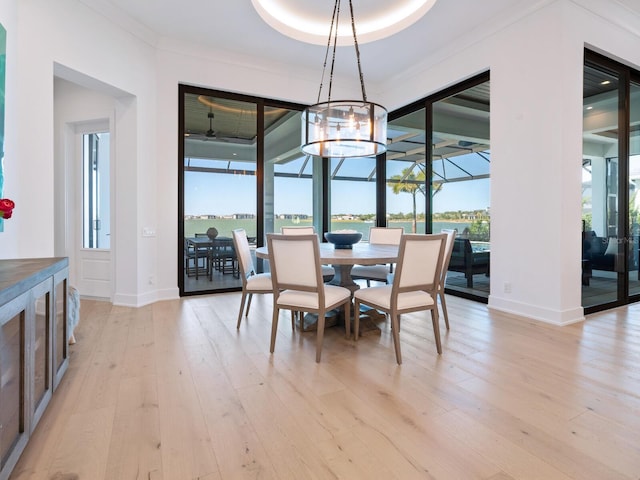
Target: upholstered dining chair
[
  {"x": 414, "y": 287},
  {"x": 252, "y": 282},
  {"x": 327, "y": 271},
  {"x": 446, "y": 258},
  {"x": 298, "y": 285},
  {"x": 379, "y": 273},
  {"x": 298, "y": 230}
]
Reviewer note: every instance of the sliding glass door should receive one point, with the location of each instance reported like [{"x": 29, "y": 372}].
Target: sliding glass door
[
  {"x": 460, "y": 188},
  {"x": 633, "y": 266},
  {"x": 610, "y": 184},
  {"x": 446, "y": 186},
  {"x": 219, "y": 188},
  {"x": 240, "y": 167}
]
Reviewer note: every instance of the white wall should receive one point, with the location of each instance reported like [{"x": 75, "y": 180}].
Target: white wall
[
  {"x": 536, "y": 105},
  {"x": 68, "y": 34},
  {"x": 536, "y": 135}
]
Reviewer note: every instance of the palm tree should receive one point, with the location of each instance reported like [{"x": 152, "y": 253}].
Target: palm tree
[{"x": 409, "y": 182}]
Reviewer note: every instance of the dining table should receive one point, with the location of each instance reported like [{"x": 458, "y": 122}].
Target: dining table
[
  {"x": 343, "y": 260},
  {"x": 213, "y": 250}
]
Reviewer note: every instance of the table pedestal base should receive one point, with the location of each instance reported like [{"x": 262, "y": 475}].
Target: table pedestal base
[
  {"x": 310, "y": 320},
  {"x": 369, "y": 320}
]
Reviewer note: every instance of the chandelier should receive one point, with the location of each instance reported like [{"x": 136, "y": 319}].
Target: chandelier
[{"x": 343, "y": 128}]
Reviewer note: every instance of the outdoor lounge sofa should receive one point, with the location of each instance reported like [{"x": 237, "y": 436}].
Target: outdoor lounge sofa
[{"x": 465, "y": 260}]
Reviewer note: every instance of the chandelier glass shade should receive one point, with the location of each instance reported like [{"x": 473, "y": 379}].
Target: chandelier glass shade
[{"x": 343, "y": 128}]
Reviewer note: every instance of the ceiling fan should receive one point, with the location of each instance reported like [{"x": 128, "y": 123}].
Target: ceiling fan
[
  {"x": 211, "y": 132},
  {"x": 212, "y": 135}
]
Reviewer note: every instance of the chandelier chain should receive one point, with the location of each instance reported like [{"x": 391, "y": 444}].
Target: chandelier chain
[
  {"x": 335, "y": 46},
  {"x": 326, "y": 53},
  {"x": 333, "y": 33},
  {"x": 355, "y": 43}
]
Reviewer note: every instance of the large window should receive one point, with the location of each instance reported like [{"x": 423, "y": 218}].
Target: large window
[{"x": 242, "y": 167}]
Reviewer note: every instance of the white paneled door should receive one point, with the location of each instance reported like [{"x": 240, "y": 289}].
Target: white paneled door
[{"x": 92, "y": 232}]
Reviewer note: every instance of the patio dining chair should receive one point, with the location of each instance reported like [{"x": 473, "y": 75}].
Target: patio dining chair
[
  {"x": 252, "y": 282},
  {"x": 414, "y": 287},
  {"x": 298, "y": 285}
]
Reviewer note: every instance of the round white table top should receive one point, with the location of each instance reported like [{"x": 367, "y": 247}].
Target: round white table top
[{"x": 361, "y": 254}]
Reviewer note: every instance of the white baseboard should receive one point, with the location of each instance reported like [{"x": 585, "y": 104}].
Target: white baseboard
[{"x": 535, "y": 312}]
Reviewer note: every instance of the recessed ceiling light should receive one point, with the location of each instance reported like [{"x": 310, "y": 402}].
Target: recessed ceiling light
[
  {"x": 605, "y": 82},
  {"x": 308, "y": 21},
  {"x": 589, "y": 108}
]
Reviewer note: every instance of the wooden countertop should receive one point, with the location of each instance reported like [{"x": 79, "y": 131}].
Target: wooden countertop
[{"x": 18, "y": 276}]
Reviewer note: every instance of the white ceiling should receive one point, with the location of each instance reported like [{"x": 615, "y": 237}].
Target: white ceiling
[{"x": 234, "y": 26}]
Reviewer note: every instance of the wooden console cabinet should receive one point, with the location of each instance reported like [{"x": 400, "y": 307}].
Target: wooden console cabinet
[{"x": 33, "y": 347}]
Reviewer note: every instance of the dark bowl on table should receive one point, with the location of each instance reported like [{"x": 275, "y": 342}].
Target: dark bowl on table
[{"x": 343, "y": 239}]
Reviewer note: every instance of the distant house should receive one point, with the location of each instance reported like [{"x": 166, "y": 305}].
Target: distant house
[{"x": 291, "y": 216}]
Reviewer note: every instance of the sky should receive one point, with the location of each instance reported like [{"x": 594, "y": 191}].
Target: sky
[{"x": 207, "y": 193}]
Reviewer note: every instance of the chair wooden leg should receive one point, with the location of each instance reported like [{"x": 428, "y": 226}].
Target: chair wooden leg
[
  {"x": 390, "y": 318},
  {"x": 293, "y": 320},
  {"x": 436, "y": 330},
  {"x": 274, "y": 327},
  {"x": 249, "y": 304},
  {"x": 395, "y": 331},
  {"x": 356, "y": 319},
  {"x": 347, "y": 319},
  {"x": 242, "y": 300},
  {"x": 443, "y": 303},
  {"x": 320, "y": 335}
]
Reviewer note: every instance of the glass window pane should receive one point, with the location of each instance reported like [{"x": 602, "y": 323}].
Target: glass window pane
[
  {"x": 290, "y": 189},
  {"x": 406, "y": 157},
  {"x": 353, "y": 194},
  {"x": 600, "y": 187},
  {"x": 95, "y": 202}
]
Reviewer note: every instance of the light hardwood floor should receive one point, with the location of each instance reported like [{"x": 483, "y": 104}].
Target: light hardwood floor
[{"x": 173, "y": 391}]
